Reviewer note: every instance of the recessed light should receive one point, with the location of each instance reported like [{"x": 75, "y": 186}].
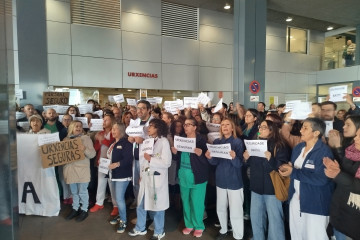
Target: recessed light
[
  {"x": 289, "y": 19},
  {"x": 178, "y": 92},
  {"x": 227, "y": 6},
  {"x": 129, "y": 90},
  {"x": 330, "y": 28}
]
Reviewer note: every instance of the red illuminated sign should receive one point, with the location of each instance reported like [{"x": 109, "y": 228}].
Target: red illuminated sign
[{"x": 142, "y": 75}]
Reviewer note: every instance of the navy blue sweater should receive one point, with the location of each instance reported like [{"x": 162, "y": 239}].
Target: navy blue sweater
[
  {"x": 228, "y": 172},
  {"x": 315, "y": 188},
  {"x": 123, "y": 153}
]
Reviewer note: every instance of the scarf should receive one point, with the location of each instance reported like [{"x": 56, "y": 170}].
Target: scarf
[{"x": 354, "y": 155}]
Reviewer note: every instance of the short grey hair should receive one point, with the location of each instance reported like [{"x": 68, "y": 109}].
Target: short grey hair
[
  {"x": 317, "y": 125},
  {"x": 121, "y": 128}
]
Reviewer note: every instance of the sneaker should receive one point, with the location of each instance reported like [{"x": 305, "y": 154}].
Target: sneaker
[
  {"x": 187, "y": 231},
  {"x": 198, "y": 233},
  {"x": 115, "y": 211},
  {"x": 96, "y": 208},
  {"x": 135, "y": 232},
  {"x": 217, "y": 224},
  {"x": 221, "y": 236},
  {"x": 82, "y": 216},
  {"x": 151, "y": 226},
  {"x": 157, "y": 236},
  {"x": 115, "y": 221},
  {"x": 72, "y": 214},
  {"x": 133, "y": 205},
  {"x": 122, "y": 226}
]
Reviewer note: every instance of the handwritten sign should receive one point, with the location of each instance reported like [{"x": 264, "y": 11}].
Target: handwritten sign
[
  {"x": 212, "y": 136},
  {"x": 191, "y": 102},
  {"x": 61, "y": 109},
  {"x": 290, "y": 105},
  {"x": 301, "y": 110},
  {"x": 218, "y": 106},
  {"x": 213, "y": 127},
  {"x": 152, "y": 101},
  {"x": 84, "y": 121},
  {"x": 96, "y": 124},
  {"x": 184, "y": 144},
  {"x": 135, "y": 131},
  {"x": 256, "y": 147},
  {"x": 131, "y": 101},
  {"x": 203, "y": 99},
  {"x": 48, "y": 138},
  {"x": 147, "y": 146},
  {"x": 104, "y": 165},
  {"x": 220, "y": 150},
  {"x": 329, "y": 126},
  {"x": 337, "y": 93},
  {"x": 60, "y": 153},
  {"x": 99, "y": 113},
  {"x": 158, "y": 100},
  {"x": 56, "y": 98},
  {"x": 85, "y": 108},
  {"x": 119, "y": 98}
]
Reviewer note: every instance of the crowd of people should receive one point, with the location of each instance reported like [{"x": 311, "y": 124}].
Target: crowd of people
[{"x": 322, "y": 163}]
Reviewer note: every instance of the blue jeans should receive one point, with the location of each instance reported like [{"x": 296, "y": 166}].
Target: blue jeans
[
  {"x": 339, "y": 235},
  {"x": 136, "y": 176},
  {"x": 262, "y": 206},
  {"x": 159, "y": 219},
  {"x": 80, "y": 195},
  {"x": 120, "y": 189}
]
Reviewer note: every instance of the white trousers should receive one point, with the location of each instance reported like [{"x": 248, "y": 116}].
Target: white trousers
[
  {"x": 306, "y": 226},
  {"x": 234, "y": 199},
  {"x": 101, "y": 189}
]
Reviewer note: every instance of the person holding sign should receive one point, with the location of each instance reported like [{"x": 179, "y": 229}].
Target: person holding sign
[
  {"x": 73, "y": 111},
  {"x": 229, "y": 185},
  {"x": 121, "y": 155},
  {"x": 310, "y": 189},
  {"x": 193, "y": 177},
  {"x": 154, "y": 192},
  {"x": 77, "y": 173},
  {"x": 36, "y": 125},
  {"x": 263, "y": 200}
]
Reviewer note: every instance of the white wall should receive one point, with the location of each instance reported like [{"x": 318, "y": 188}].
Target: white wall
[
  {"x": 85, "y": 56},
  {"x": 290, "y": 73}
]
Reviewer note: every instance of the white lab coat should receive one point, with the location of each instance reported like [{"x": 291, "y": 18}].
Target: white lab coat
[{"x": 154, "y": 188}]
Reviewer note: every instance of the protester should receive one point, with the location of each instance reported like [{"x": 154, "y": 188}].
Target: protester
[
  {"x": 127, "y": 116},
  {"x": 73, "y": 111},
  {"x": 52, "y": 122},
  {"x": 36, "y": 125}
]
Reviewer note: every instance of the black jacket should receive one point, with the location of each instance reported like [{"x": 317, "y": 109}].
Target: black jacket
[{"x": 122, "y": 152}]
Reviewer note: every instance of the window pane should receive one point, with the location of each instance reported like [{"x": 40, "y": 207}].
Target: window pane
[{"x": 297, "y": 40}]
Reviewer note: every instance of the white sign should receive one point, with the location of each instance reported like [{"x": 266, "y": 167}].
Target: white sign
[
  {"x": 20, "y": 115},
  {"x": 152, "y": 101},
  {"x": 104, "y": 165},
  {"x": 173, "y": 106},
  {"x": 184, "y": 144},
  {"x": 203, "y": 99},
  {"x": 212, "y": 136},
  {"x": 356, "y": 99},
  {"x": 337, "y": 93},
  {"x": 135, "y": 131},
  {"x": 213, "y": 127},
  {"x": 19, "y": 94},
  {"x": 43, "y": 181},
  {"x": 24, "y": 125},
  {"x": 61, "y": 118},
  {"x": 84, "y": 121},
  {"x": 99, "y": 113},
  {"x": 85, "y": 108},
  {"x": 254, "y": 98},
  {"x": 111, "y": 98},
  {"x": 119, "y": 98},
  {"x": 158, "y": 100},
  {"x": 147, "y": 146},
  {"x": 191, "y": 102},
  {"x": 96, "y": 124},
  {"x": 290, "y": 105},
  {"x": 220, "y": 150},
  {"x": 131, "y": 102},
  {"x": 329, "y": 126},
  {"x": 50, "y": 106},
  {"x": 256, "y": 147},
  {"x": 218, "y": 106},
  {"x": 61, "y": 109},
  {"x": 301, "y": 110},
  {"x": 48, "y": 138}
]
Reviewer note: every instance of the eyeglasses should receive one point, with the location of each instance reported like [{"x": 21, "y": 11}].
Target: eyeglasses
[
  {"x": 263, "y": 127},
  {"x": 188, "y": 124}
]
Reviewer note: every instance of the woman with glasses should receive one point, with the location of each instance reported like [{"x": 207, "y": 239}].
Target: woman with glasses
[
  {"x": 263, "y": 201},
  {"x": 310, "y": 189},
  {"x": 193, "y": 177},
  {"x": 154, "y": 192}
]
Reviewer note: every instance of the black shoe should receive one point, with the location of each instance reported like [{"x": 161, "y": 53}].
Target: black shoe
[
  {"x": 221, "y": 236},
  {"x": 72, "y": 214},
  {"x": 82, "y": 216}
]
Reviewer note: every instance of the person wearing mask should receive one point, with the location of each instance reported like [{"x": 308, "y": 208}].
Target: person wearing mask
[
  {"x": 229, "y": 186},
  {"x": 154, "y": 192},
  {"x": 328, "y": 112},
  {"x": 121, "y": 155},
  {"x": 77, "y": 173},
  {"x": 345, "y": 204},
  {"x": 310, "y": 189},
  {"x": 52, "y": 122},
  {"x": 193, "y": 177},
  {"x": 103, "y": 141},
  {"x": 266, "y": 210}
]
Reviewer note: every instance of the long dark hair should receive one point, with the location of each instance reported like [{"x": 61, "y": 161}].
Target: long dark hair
[
  {"x": 275, "y": 137},
  {"x": 161, "y": 127},
  {"x": 173, "y": 128},
  {"x": 355, "y": 119}
]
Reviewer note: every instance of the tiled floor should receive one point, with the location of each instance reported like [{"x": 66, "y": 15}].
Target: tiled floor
[{"x": 97, "y": 227}]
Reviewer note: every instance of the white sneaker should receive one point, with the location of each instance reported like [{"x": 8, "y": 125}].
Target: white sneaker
[
  {"x": 135, "y": 232},
  {"x": 152, "y": 226},
  {"x": 157, "y": 236}
]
